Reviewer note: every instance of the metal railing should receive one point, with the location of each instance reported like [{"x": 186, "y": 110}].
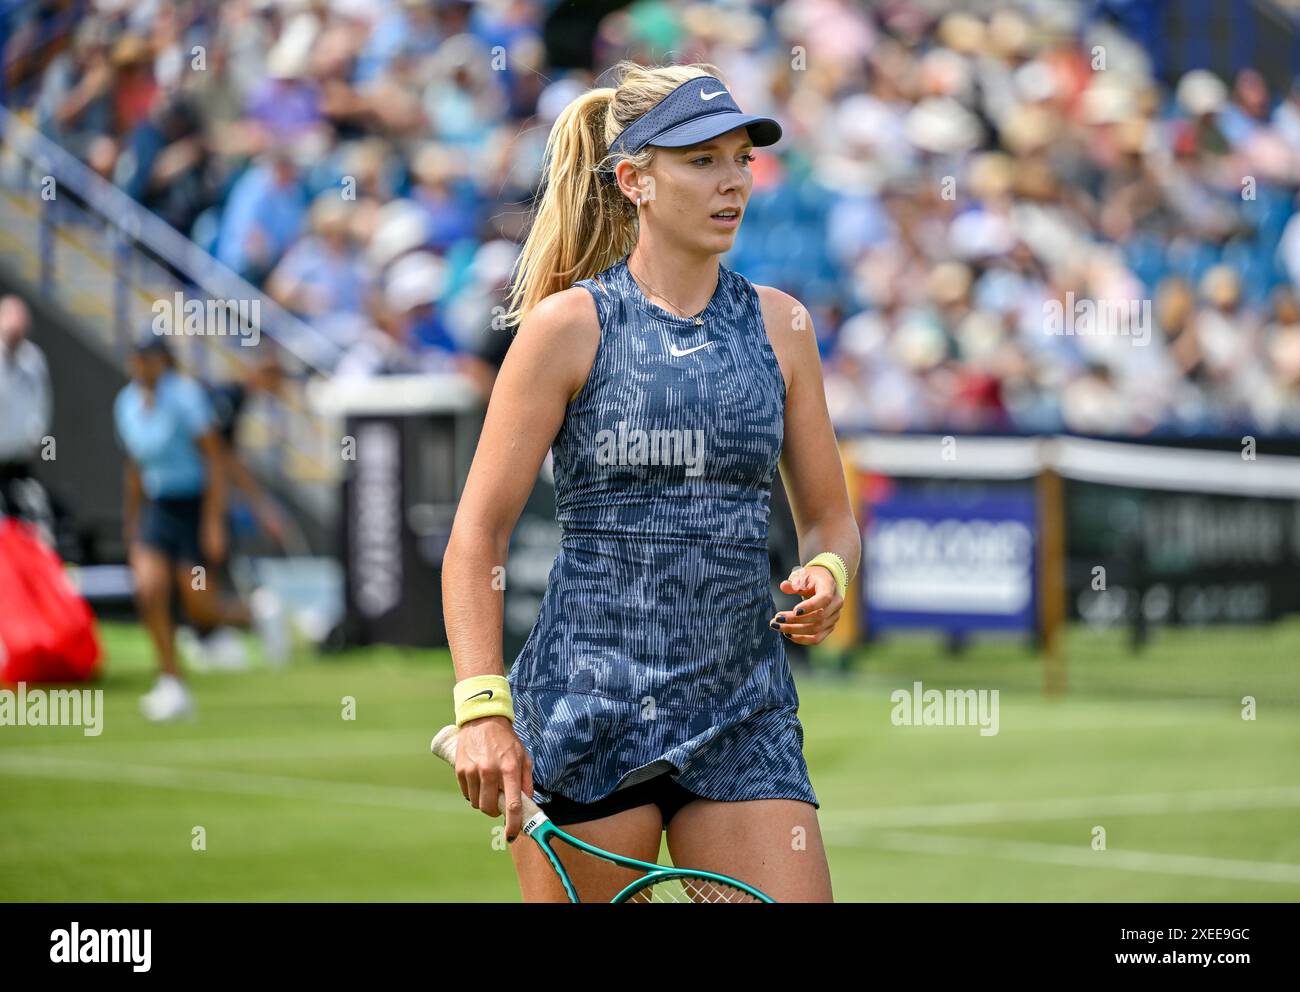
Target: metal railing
[{"x": 106, "y": 261}]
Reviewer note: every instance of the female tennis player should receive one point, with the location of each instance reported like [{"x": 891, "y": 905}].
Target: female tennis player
[{"x": 653, "y": 692}]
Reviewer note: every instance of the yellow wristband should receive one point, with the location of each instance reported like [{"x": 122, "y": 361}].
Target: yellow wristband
[
  {"x": 834, "y": 564},
  {"x": 482, "y": 695}
]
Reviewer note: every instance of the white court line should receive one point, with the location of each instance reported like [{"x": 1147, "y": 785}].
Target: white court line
[
  {"x": 400, "y": 797},
  {"x": 396, "y": 797},
  {"x": 1009, "y": 723},
  {"x": 326, "y": 743},
  {"x": 1023, "y": 810},
  {"x": 238, "y": 783},
  {"x": 1082, "y": 856}
]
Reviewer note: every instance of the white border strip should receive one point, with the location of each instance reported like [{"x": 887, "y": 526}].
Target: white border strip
[
  {"x": 1143, "y": 467},
  {"x": 924, "y": 455},
  {"x": 1113, "y": 463}
]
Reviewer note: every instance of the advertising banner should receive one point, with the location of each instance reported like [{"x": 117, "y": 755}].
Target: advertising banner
[{"x": 949, "y": 555}]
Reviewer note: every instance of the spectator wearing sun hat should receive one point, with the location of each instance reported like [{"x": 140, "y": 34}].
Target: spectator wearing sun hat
[
  {"x": 324, "y": 275},
  {"x": 407, "y": 336}
]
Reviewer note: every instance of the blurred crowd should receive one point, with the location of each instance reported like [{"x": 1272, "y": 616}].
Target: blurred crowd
[{"x": 949, "y": 185}]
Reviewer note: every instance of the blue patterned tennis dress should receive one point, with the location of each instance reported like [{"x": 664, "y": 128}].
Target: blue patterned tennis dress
[{"x": 652, "y": 651}]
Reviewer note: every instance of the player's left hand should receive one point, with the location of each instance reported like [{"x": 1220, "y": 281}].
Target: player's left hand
[{"x": 812, "y": 619}]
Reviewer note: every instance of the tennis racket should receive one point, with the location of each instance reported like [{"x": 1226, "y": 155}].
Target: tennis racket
[{"x": 657, "y": 883}]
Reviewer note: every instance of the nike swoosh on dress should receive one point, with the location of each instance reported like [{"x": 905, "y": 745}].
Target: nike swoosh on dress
[{"x": 679, "y": 353}]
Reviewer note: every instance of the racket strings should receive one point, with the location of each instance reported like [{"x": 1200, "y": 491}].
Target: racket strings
[{"x": 683, "y": 888}]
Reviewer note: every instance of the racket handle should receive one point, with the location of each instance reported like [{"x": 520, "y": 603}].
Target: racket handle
[{"x": 444, "y": 746}]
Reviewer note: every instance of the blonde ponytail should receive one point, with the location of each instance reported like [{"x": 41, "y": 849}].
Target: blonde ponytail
[{"x": 584, "y": 224}]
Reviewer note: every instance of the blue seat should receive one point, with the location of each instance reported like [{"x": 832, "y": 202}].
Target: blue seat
[
  {"x": 1192, "y": 260},
  {"x": 1145, "y": 257}
]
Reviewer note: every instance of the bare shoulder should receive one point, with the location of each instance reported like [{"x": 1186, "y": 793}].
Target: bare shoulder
[
  {"x": 781, "y": 311},
  {"x": 560, "y": 334},
  {"x": 790, "y": 330},
  {"x": 561, "y": 317}
]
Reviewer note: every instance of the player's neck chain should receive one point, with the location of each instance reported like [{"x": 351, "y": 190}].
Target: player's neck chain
[{"x": 647, "y": 290}]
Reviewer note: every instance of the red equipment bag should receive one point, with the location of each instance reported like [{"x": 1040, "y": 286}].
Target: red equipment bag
[{"x": 47, "y": 630}]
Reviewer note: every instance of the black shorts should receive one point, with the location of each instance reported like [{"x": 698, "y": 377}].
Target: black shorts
[
  {"x": 170, "y": 525},
  {"x": 661, "y": 790}
]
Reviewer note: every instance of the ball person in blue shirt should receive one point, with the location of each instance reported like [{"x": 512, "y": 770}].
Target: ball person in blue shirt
[{"x": 175, "y": 505}]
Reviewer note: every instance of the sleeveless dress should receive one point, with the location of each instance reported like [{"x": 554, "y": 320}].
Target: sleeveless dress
[{"x": 652, "y": 652}]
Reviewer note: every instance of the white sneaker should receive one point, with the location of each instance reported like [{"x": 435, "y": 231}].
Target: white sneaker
[
  {"x": 272, "y": 626},
  {"x": 193, "y": 652},
  {"x": 169, "y": 699},
  {"x": 226, "y": 651}
]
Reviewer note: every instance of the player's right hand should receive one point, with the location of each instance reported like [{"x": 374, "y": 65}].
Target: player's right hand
[{"x": 491, "y": 760}]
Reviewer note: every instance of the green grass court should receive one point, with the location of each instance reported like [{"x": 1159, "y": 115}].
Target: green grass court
[{"x": 299, "y": 804}]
